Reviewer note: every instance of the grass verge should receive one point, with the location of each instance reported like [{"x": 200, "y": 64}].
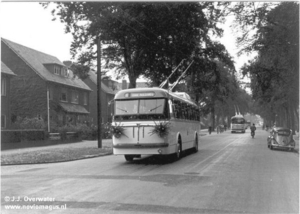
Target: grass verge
[{"x": 53, "y": 155}]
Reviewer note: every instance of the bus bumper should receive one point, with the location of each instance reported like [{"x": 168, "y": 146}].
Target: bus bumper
[{"x": 141, "y": 149}]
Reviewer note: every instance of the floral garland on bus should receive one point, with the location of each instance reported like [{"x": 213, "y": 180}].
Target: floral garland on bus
[
  {"x": 161, "y": 129},
  {"x": 117, "y": 130}
]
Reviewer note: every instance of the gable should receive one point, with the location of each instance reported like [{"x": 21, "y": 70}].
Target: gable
[{"x": 37, "y": 61}]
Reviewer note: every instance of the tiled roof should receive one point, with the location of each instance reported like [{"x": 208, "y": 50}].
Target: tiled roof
[
  {"x": 6, "y": 70},
  {"x": 106, "y": 89},
  {"x": 36, "y": 60},
  {"x": 72, "y": 108}
]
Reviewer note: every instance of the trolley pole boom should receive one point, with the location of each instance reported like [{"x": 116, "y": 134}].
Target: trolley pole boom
[
  {"x": 166, "y": 81},
  {"x": 177, "y": 81}
]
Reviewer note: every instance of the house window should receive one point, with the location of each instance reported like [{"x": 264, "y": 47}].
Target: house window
[
  {"x": 50, "y": 93},
  {"x": 60, "y": 118},
  {"x": 56, "y": 70},
  {"x": 63, "y": 95},
  {"x": 3, "y": 86},
  {"x": 64, "y": 71},
  {"x": 3, "y": 121},
  {"x": 75, "y": 97},
  {"x": 85, "y": 98}
]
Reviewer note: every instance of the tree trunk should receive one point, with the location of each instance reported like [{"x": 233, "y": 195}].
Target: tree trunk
[
  {"x": 132, "y": 81},
  {"x": 213, "y": 117},
  {"x": 292, "y": 119}
]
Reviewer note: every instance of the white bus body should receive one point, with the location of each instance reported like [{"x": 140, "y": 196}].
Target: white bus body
[
  {"x": 238, "y": 124},
  {"x": 138, "y": 111}
]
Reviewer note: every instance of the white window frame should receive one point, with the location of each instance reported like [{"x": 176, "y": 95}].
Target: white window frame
[
  {"x": 75, "y": 93},
  {"x": 3, "y": 86},
  {"x": 56, "y": 70},
  {"x": 50, "y": 93},
  {"x": 63, "y": 90},
  {"x": 85, "y": 98}
]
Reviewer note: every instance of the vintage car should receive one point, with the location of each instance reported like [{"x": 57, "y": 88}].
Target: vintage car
[{"x": 281, "y": 138}]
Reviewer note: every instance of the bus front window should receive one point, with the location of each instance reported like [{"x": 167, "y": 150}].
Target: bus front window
[
  {"x": 153, "y": 106},
  {"x": 126, "y": 107},
  {"x": 141, "y": 109},
  {"x": 238, "y": 121}
]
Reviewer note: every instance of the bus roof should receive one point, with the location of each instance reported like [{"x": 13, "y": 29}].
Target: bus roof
[
  {"x": 135, "y": 93},
  {"x": 238, "y": 116}
]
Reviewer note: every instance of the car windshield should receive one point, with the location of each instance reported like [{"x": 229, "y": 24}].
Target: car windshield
[{"x": 283, "y": 132}]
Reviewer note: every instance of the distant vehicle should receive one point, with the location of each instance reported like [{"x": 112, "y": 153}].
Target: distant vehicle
[
  {"x": 238, "y": 124},
  {"x": 281, "y": 138},
  {"x": 247, "y": 124},
  {"x": 154, "y": 121}
]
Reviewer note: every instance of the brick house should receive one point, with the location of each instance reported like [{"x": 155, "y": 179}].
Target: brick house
[
  {"x": 6, "y": 75},
  {"x": 107, "y": 94},
  {"x": 39, "y": 74}
]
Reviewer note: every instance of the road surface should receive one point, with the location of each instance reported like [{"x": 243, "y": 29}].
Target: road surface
[{"x": 231, "y": 173}]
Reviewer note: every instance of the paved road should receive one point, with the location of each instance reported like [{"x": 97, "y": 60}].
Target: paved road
[{"x": 231, "y": 173}]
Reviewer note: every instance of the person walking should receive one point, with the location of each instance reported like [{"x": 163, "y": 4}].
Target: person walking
[{"x": 253, "y": 128}]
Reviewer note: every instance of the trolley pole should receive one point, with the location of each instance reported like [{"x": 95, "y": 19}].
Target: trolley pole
[{"x": 99, "y": 93}]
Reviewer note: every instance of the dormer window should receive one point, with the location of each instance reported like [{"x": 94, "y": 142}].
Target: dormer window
[{"x": 57, "y": 70}]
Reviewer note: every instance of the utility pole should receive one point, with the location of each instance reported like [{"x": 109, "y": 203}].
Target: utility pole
[{"x": 99, "y": 92}]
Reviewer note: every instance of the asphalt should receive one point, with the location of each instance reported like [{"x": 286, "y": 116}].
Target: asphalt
[{"x": 106, "y": 143}]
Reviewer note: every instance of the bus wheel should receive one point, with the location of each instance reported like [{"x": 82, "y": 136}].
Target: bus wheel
[
  {"x": 178, "y": 153},
  {"x": 129, "y": 157},
  {"x": 196, "y": 144}
]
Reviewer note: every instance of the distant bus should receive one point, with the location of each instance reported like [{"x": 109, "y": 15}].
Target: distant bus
[
  {"x": 238, "y": 124},
  {"x": 154, "y": 121}
]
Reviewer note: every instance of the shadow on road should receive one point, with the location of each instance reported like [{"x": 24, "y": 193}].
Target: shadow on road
[{"x": 159, "y": 159}]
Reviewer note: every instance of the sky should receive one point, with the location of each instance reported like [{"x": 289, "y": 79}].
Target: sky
[{"x": 29, "y": 24}]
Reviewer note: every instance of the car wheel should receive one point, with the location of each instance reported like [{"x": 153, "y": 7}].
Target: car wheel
[{"x": 271, "y": 147}]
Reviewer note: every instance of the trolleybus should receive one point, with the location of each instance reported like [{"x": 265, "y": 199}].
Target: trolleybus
[
  {"x": 238, "y": 124},
  {"x": 154, "y": 121}
]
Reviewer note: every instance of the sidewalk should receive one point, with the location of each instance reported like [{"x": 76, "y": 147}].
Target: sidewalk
[{"x": 106, "y": 143}]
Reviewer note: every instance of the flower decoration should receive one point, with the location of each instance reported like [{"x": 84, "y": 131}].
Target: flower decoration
[
  {"x": 161, "y": 129},
  {"x": 117, "y": 130}
]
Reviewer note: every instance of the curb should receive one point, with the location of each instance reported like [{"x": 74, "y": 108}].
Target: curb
[{"x": 62, "y": 161}]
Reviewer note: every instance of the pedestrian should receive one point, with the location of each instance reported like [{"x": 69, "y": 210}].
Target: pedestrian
[
  {"x": 209, "y": 129},
  {"x": 253, "y": 128}
]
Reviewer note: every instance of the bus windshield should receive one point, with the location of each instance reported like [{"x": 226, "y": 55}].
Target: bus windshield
[
  {"x": 140, "y": 109},
  {"x": 238, "y": 120}
]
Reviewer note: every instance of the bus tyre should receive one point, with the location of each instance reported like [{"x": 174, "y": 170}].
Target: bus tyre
[
  {"x": 178, "y": 153},
  {"x": 196, "y": 145},
  {"x": 129, "y": 157}
]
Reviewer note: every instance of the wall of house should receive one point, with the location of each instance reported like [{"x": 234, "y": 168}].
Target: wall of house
[
  {"x": 105, "y": 98},
  {"x": 28, "y": 90},
  {"x": 57, "y": 113},
  {"x": 5, "y": 102}
]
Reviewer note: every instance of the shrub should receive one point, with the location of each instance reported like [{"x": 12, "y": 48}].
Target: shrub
[{"x": 29, "y": 123}]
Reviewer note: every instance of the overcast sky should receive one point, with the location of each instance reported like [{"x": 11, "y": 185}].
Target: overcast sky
[{"x": 29, "y": 24}]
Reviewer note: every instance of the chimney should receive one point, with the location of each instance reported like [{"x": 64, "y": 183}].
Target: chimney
[{"x": 124, "y": 84}]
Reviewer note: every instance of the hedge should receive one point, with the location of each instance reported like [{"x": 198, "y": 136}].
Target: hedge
[{"x": 15, "y": 136}]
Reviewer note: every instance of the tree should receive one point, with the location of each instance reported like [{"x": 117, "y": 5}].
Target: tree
[
  {"x": 275, "y": 72},
  {"x": 139, "y": 38}
]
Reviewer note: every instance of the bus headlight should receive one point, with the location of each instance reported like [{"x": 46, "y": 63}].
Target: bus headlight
[{"x": 159, "y": 151}]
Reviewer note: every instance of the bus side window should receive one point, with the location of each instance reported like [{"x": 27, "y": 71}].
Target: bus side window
[
  {"x": 176, "y": 109},
  {"x": 180, "y": 110}
]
